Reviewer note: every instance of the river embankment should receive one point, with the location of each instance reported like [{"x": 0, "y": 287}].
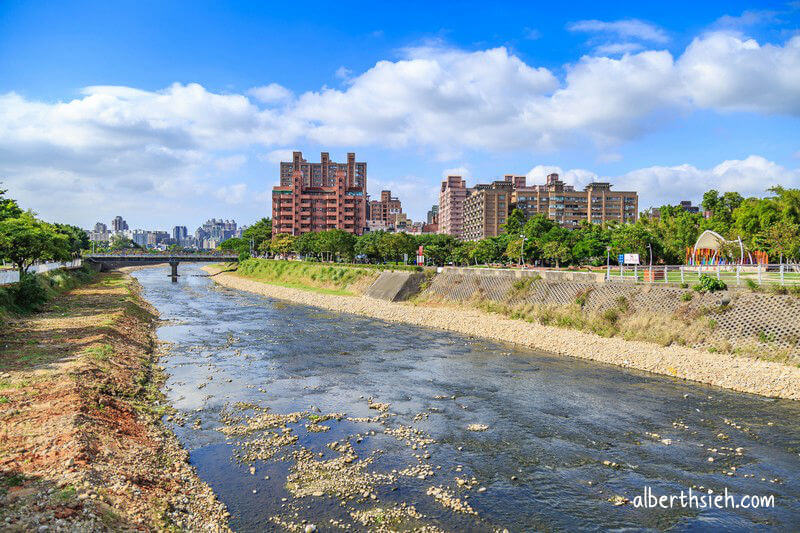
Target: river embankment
[
  {"x": 82, "y": 444},
  {"x": 730, "y": 371}
]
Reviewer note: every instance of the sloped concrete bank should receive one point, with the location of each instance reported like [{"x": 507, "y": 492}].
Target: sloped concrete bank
[{"x": 738, "y": 373}]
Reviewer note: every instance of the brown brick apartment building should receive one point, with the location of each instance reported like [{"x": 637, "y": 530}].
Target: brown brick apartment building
[
  {"x": 486, "y": 210},
  {"x": 386, "y": 209},
  {"x": 597, "y": 203},
  {"x": 320, "y": 196},
  {"x": 451, "y": 205}
]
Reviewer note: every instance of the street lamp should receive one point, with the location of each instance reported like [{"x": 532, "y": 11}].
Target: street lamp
[
  {"x": 608, "y": 262},
  {"x": 521, "y": 249}
]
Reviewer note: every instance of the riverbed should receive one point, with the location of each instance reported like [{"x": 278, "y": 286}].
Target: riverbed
[{"x": 296, "y": 415}]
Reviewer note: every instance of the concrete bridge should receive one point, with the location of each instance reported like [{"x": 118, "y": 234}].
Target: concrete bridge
[{"x": 112, "y": 261}]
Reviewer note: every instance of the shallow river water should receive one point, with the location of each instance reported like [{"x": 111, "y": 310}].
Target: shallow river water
[{"x": 477, "y": 435}]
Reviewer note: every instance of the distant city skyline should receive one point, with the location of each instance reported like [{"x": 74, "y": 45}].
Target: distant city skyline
[{"x": 670, "y": 100}]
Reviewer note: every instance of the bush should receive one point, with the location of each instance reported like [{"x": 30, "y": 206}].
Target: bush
[
  {"x": 709, "y": 284},
  {"x": 686, "y": 296},
  {"x": 752, "y": 285},
  {"x": 29, "y": 293}
]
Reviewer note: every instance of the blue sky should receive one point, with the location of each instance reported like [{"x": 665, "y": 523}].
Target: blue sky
[{"x": 173, "y": 112}]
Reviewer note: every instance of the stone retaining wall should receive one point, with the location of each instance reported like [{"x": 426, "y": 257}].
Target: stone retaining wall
[{"x": 765, "y": 320}]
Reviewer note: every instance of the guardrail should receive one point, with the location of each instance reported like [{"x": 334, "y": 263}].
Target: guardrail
[{"x": 732, "y": 275}]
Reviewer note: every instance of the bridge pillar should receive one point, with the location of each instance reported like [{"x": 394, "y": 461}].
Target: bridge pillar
[{"x": 174, "y": 274}]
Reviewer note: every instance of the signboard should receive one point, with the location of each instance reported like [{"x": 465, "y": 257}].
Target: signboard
[
  {"x": 621, "y": 259},
  {"x": 631, "y": 259},
  {"x": 420, "y": 257}
]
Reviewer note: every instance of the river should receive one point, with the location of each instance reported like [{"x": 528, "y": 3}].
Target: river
[{"x": 476, "y": 436}]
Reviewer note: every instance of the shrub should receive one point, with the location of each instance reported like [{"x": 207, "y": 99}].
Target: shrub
[
  {"x": 709, "y": 284},
  {"x": 30, "y": 293},
  {"x": 686, "y": 296}
]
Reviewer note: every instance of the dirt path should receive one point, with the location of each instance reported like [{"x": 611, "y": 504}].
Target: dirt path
[
  {"x": 81, "y": 442},
  {"x": 740, "y": 373}
]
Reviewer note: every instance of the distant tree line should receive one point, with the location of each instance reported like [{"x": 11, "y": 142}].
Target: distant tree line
[{"x": 770, "y": 224}]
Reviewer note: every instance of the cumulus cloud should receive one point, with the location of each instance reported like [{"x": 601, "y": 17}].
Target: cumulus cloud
[
  {"x": 723, "y": 71},
  {"x": 658, "y": 185},
  {"x": 128, "y": 145}
]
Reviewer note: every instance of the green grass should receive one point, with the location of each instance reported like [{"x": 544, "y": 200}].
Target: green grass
[
  {"x": 318, "y": 277},
  {"x": 101, "y": 352}
]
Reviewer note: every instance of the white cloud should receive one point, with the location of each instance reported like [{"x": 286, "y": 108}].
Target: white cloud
[
  {"x": 276, "y": 156},
  {"x": 271, "y": 93},
  {"x": 462, "y": 171},
  {"x": 232, "y": 194},
  {"x": 658, "y": 185},
  {"x": 128, "y": 145},
  {"x": 343, "y": 73},
  {"x": 627, "y": 29},
  {"x": 725, "y": 72},
  {"x": 747, "y": 19},
  {"x": 230, "y": 163},
  {"x": 618, "y": 48}
]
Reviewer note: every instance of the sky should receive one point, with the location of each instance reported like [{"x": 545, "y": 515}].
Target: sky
[{"x": 170, "y": 113}]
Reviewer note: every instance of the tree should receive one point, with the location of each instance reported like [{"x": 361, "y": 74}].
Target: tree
[
  {"x": 485, "y": 251},
  {"x": 281, "y": 243},
  {"x": 25, "y": 240},
  {"x": 78, "y": 239},
  {"x": 515, "y": 223},
  {"x": 8, "y": 207},
  {"x": 237, "y": 244},
  {"x": 259, "y": 233},
  {"x": 120, "y": 242},
  {"x": 367, "y": 245},
  {"x": 556, "y": 250}
]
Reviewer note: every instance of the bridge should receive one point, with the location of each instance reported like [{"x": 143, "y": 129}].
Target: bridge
[{"x": 112, "y": 261}]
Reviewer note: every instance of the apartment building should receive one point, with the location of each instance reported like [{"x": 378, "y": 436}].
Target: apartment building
[
  {"x": 486, "y": 209},
  {"x": 320, "y": 196},
  {"x": 596, "y": 203},
  {"x": 452, "y": 195},
  {"x": 385, "y": 209}
]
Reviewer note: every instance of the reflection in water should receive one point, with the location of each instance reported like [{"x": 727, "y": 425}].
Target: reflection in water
[{"x": 255, "y": 381}]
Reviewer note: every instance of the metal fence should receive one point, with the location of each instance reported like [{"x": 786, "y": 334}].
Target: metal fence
[{"x": 732, "y": 275}]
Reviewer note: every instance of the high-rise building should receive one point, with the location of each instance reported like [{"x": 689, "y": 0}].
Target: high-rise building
[
  {"x": 433, "y": 214},
  {"x": 560, "y": 202},
  {"x": 385, "y": 209},
  {"x": 100, "y": 228},
  {"x": 180, "y": 233},
  {"x": 119, "y": 224},
  {"x": 486, "y": 209},
  {"x": 320, "y": 196},
  {"x": 451, "y": 205}
]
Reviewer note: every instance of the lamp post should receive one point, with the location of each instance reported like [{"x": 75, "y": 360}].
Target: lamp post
[
  {"x": 608, "y": 262},
  {"x": 521, "y": 249}
]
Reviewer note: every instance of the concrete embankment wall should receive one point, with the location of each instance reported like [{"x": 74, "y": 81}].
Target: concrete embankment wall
[
  {"x": 395, "y": 286},
  {"x": 764, "y": 321}
]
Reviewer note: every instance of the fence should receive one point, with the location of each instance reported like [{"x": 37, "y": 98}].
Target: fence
[
  {"x": 732, "y": 275},
  {"x": 12, "y": 276}
]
